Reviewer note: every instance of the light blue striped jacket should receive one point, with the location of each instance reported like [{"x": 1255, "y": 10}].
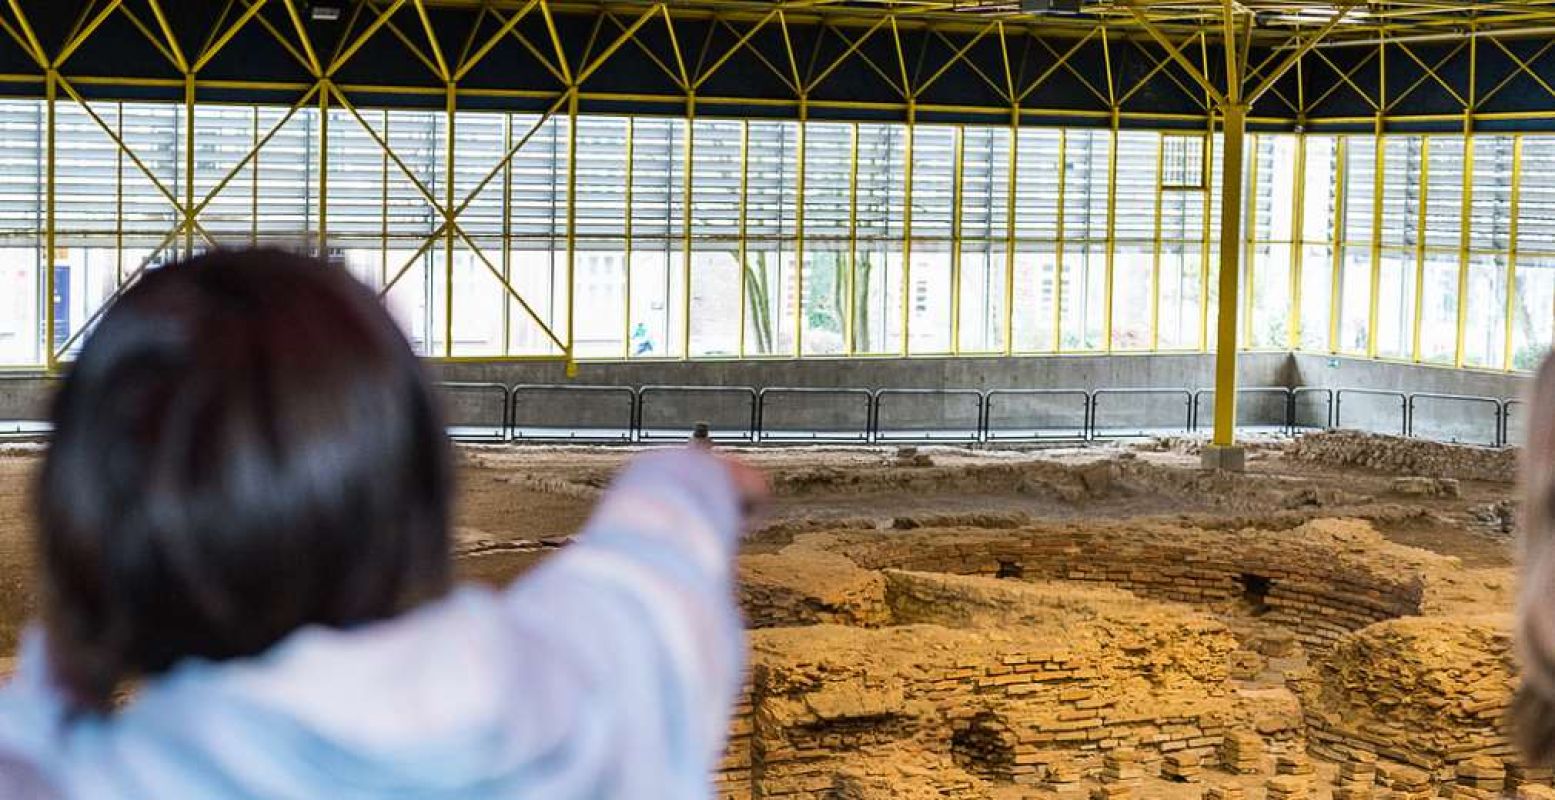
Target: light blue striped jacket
[{"x": 608, "y": 672}]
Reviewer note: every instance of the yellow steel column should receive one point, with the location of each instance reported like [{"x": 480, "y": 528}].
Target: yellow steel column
[
  {"x": 450, "y": 100},
  {"x": 1058, "y": 243},
  {"x": 383, "y": 214},
  {"x": 912, "y": 121},
  {"x": 958, "y": 164},
  {"x": 686, "y": 174},
  {"x": 1466, "y": 219},
  {"x": 1341, "y": 233},
  {"x": 50, "y": 334},
  {"x": 1249, "y": 239},
  {"x": 741, "y": 247},
  {"x": 1155, "y": 259},
  {"x": 1110, "y": 261},
  {"x": 1511, "y": 256},
  {"x": 1298, "y": 235},
  {"x": 118, "y": 193},
  {"x": 1108, "y": 274},
  {"x": 507, "y": 232},
  {"x": 1379, "y": 170},
  {"x": 1009, "y": 232},
  {"x": 626, "y": 247},
  {"x": 850, "y": 318},
  {"x": 1465, "y": 206},
  {"x": 188, "y": 211},
  {"x": 1234, "y": 130},
  {"x": 1420, "y": 253},
  {"x": 253, "y": 194},
  {"x": 572, "y": 232},
  {"x": 323, "y": 167},
  {"x": 799, "y": 204}
]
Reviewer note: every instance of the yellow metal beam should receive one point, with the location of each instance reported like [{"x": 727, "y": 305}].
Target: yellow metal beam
[
  {"x": 314, "y": 67},
  {"x": 216, "y": 46},
  {"x": 85, "y": 32},
  {"x": 362, "y": 38},
  {"x": 556, "y": 43},
  {"x": 1176, "y": 55},
  {"x": 1234, "y": 134},
  {"x": 436, "y": 47},
  {"x": 33, "y": 46}
]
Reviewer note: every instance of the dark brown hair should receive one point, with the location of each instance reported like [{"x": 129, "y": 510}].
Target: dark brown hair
[
  {"x": 246, "y": 446},
  {"x": 1533, "y": 709}
]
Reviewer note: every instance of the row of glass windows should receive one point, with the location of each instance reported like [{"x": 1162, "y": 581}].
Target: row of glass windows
[{"x": 730, "y": 238}]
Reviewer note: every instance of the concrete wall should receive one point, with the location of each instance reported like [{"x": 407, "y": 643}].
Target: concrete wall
[
  {"x": 1046, "y": 372},
  {"x": 1342, "y": 371},
  {"x": 24, "y": 397},
  {"x": 1469, "y": 421}
]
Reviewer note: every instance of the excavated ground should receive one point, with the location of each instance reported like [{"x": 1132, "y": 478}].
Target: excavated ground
[{"x": 1099, "y": 622}]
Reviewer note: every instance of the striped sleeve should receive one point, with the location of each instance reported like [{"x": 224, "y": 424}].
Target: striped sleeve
[{"x": 642, "y": 606}]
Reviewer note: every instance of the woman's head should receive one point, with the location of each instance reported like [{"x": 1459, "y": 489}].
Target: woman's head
[
  {"x": 1534, "y": 708},
  {"x": 245, "y": 446}
]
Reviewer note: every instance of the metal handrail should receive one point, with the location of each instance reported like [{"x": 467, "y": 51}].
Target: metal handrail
[
  {"x": 977, "y": 432},
  {"x": 627, "y": 434},
  {"x": 502, "y": 429},
  {"x": 1295, "y": 400},
  {"x": 991, "y": 395},
  {"x": 1402, "y": 398},
  {"x": 1497, "y": 405},
  {"x": 1096, "y": 396},
  {"x": 749, "y": 435},
  {"x": 763, "y": 435},
  {"x": 1284, "y": 391}
]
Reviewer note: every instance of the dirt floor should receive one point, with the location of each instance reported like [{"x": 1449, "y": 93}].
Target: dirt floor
[{"x": 1293, "y": 632}]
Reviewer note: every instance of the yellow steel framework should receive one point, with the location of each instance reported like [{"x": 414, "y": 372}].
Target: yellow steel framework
[{"x": 1243, "y": 63}]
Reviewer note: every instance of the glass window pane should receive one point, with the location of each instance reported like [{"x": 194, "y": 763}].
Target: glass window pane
[
  {"x": 1355, "y": 300},
  {"x": 1396, "y": 304},
  {"x": 1133, "y": 286},
  {"x": 1036, "y": 290},
  {"x": 656, "y": 309},
  {"x": 933, "y": 180},
  {"x": 1317, "y": 272},
  {"x": 1491, "y": 206},
  {"x": 1137, "y": 180},
  {"x": 1484, "y": 336},
  {"x": 1533, "y": 310},
  {"x": 985, "y": 183},
  {"x": 877, "y": 320},
  {"x": 1360, "y": 165},
  {"x": 1439, "y": 308},
  {"x": 1401, "y": 190},
  {"x": 828, "y": 181},
  {"x": 982, "y": 297},
  {"x": 1270, "y": 319},
  {"x": 1039, "y": 151},
  {"x": 600, "y": 280},
  {"x": 1444, "y": 198},
  {"x": 928, "y": 322},
  {"x": 1083, "y": 296},
  {"x": 1182, "y": 266},
  {"x": 825, "y": 297},
  {"x": 1320, "y": 189},
  {"x": 1086, "y": 186},
  {"x": 715, "y": 300}
]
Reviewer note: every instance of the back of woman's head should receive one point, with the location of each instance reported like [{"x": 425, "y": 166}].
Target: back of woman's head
[
  {"x": 245, "y": 446},
  {"x": 1534, "y": 708}
]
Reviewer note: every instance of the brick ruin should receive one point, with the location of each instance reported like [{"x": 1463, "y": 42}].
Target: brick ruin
[
  {"x": 1117, "y": 660},
  {"x": 1111, "y": 624}
]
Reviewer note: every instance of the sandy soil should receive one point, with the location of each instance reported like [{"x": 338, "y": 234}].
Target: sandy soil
[{"x": 515, "y": 503}]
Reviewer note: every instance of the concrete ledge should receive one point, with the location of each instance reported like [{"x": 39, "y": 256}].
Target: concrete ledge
[{"x": 1224, "y": 459}]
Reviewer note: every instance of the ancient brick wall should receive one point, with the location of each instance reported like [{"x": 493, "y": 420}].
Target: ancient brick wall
[{"x": 1323, "y": 579}]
